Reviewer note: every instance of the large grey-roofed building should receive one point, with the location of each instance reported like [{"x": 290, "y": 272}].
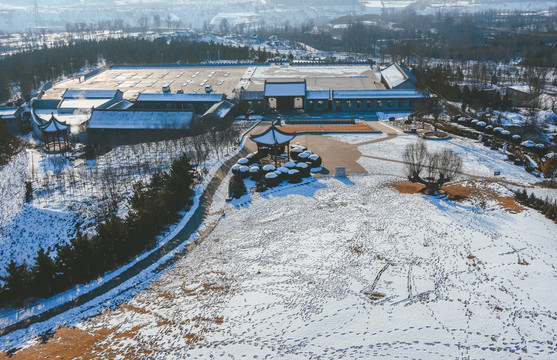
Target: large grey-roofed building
[
  {"x": 198, "y": 103},
  {"x": 129, "y": 126}
]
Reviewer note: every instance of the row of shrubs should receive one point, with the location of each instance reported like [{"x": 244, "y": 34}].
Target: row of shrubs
[
  {"x": 153, "y": 206},
  {"x": 514, "y": 151},
  {"x": 268, "y": 175},
  {"x": 501, "y": 133},
  {"x": 545, "y": 206}
]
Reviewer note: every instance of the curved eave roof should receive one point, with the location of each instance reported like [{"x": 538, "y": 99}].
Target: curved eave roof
[
  {"x": 272, "y": 136},
  {"x": 53, "y": 125}
]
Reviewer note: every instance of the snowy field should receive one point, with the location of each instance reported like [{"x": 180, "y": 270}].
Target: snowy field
[
  {"x": 351, "y": 268},
  {"x": 334, "y": 269},
  {"x": 478, "y": 160}
]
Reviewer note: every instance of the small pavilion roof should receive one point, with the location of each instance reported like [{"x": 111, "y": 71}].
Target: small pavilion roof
[
  {"x": 272, "y": 136},
  {"x": 53, "y": 125}
]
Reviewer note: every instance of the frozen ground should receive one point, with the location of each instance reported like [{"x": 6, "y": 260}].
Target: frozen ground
[
  {"x": 478, "y": 160},
  {"x": 351, "y": 268},
  {"x": 334, "y": 269}
]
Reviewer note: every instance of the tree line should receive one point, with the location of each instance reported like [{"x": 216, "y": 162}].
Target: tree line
[
  {"x": 153, "y": 206},
  {"x": 30, "y": 69},
  {"x": 486, "y": 35},
  {"x": 545, "y": 206}
]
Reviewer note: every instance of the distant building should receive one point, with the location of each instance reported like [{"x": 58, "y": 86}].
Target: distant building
[
  {"x": 219, "y": 114},
  {"x": 85, "y": 100},
  {"x": 134, "y": 126},
  {"x": 285, "y": 95},
  {"x": 252, "y": 101},
  {"x": 519, "y": 95},
  {"x": 11, "y": 117},
  {"x": 318, "y": 101},
  {"x": 395, "y": 77},
  {"x": 198, "y": 103},
  {"x": 375, "y": 100}
]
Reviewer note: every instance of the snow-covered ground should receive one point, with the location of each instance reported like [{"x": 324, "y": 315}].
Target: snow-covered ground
[
  {"x": 128, "y": 288},
  {"x": 73, "y": 194},
  {"x": 351, "y": 268},
  {"x": 478, "y": 160},
  {"x": 337, "y": 269}
]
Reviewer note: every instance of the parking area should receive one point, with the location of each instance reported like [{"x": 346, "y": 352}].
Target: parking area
[{"x": 132, "y": 81}]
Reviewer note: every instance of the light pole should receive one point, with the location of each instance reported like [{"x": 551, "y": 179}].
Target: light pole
[{"x": 52, "y": 68}]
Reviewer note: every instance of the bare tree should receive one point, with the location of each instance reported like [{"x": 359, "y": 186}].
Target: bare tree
[
  {"x": 200, "y": 149},
  {"x": 431, "y": 169},
  {"x": 415, "y": 156}
]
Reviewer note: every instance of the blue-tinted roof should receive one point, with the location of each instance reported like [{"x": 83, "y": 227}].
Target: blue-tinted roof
[
  {"x": 180, "y": 97},
  {"x": 129, "y": 120},
  {"x": 89, "y": 94},
  {"x": 376, "y": 94},
  {"x": 8, "y": 111},
  {"x": 285, "y": 89},
  {"x": 220, "y": 109},
  {"x": 121, "y": 105},
  {"x": 45, "y": 103},
  {"x": 318, "y": 95}
]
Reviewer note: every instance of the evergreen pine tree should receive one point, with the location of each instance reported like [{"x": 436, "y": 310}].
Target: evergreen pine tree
[
  {"x": 43, "y": 274},
  {"x": 17, "y": 281},
  {"x": 28, "y": 192}
]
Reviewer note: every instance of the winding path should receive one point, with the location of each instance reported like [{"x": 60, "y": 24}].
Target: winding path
[{"x": 199, "y": 215}]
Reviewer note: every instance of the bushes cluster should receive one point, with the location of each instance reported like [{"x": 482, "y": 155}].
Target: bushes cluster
[
  {"x": 10, "y": 144},
  {"x": 545, "y": 206},
  {"x": 153, "y": 206}
]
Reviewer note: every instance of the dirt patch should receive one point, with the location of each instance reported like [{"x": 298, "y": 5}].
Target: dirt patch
[
  {"x": 65, "y": 344},
  {"x": 375, "y": 296},
  {"x": 509, "y": 204},
  {"x": 358, "y": 127},
  {"x": 459, "y": 192},
  {"x": 406, "y": 187}
]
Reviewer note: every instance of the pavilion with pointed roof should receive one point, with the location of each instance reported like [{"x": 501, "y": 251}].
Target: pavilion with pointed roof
[
  {"x": 55, "y": 134},
  {"x": 274, "y": 140}
]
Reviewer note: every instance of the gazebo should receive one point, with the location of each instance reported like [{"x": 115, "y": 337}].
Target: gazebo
[
  {"x": 273, "y": 139},
  {"x": 55, "y": 134}
]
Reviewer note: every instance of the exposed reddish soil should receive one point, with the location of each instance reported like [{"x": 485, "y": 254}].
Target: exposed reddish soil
[
  {"x": 65, "y": 344},
  {"x": 458, "y": 192}
]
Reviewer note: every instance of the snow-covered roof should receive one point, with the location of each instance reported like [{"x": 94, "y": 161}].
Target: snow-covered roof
[
  {"x": 272, "y": 136},
  {"x": 8, "y": 112},
  {"x": 376, "y": 94},
  {"x": 132, "y": 119},
  {"x": 285, "y": 88},
  {"x": 53, "y": 125},
  {"x": 121, "y": 105},
  {"x": 318, "y": 95},
  {"x": 49, "y": 104},
  {"x": 394, "y": 75},
  {"x": 252, "y": 95},
  {"x": 220, "y": 109},
  {"x": 89, "y": 94},
  {"x": 180, "y": 97},
  {"x": 72, "y": 103},
  {"x": 520, "y": 88}
]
